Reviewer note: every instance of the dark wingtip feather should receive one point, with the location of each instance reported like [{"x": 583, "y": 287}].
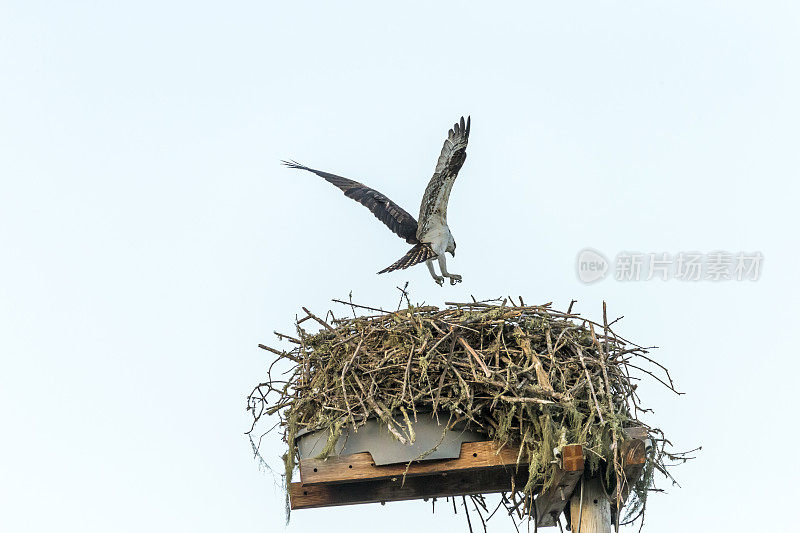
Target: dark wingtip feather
[
  {"x": 291, "y": 163},
  {"x": 461, "y": 128}
]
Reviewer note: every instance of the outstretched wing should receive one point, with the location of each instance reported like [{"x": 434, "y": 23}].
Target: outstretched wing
[
  {"x": 395, "y": 217},
  {"x": 419, "y": 253},
  {"x": 434, "y": 201}
]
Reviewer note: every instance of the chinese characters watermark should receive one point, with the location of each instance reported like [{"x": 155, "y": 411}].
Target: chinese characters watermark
[{"x": 593, "y": 266}]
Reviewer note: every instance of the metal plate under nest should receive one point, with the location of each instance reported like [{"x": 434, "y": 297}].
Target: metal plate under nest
[{"x": 374, "y": 437}]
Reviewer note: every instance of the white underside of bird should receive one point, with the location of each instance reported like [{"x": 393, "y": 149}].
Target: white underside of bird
[{"x": 441, "y": 241}]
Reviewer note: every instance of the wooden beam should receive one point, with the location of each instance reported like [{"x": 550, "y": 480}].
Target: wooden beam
[
  {"x": 480, "y": 469},
  {"x": 634, "y": 456},
  {"x": 440, "y": 485},
  {"x": 551, "y": 502},
  {"x": 360, "y": 466},
  {"x": 637, "y": 432}
]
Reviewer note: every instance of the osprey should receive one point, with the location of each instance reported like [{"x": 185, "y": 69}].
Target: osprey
[{"x": 430, "y": 236}]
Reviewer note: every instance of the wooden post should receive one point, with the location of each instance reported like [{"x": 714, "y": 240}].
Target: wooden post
[{"x": 593, "y": 515}]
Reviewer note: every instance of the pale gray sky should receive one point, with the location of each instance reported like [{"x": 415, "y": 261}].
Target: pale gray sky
[{"x": 150, "y": 239}]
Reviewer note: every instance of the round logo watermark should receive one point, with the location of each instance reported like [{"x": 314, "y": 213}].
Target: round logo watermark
[{"x": 591, "y": 265}]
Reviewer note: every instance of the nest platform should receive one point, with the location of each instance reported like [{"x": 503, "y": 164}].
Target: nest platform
[{"x": 547, "y": 397}]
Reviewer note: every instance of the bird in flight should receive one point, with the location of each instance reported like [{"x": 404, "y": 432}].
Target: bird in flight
[{"x": 430, "y": 236}]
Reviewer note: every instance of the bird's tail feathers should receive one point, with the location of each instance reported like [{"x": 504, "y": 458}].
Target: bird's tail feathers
[{"x": 418, "y": 254}]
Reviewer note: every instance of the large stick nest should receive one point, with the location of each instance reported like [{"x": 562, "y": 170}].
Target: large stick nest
[{"x": 525, "y": 375}]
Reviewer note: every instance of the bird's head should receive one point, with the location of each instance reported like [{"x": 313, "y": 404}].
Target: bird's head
[{"x": 451, "y": 249}]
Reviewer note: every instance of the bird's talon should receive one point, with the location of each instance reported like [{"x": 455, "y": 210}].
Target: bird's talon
[{"x": 439, "y": 281}]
